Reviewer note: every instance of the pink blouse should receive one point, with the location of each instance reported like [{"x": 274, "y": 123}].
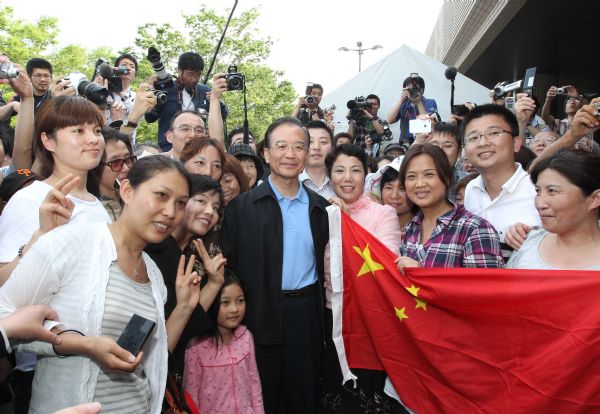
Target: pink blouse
[
  {"x": 379, "y": 220},
  {"x": 224, "y": 379}
]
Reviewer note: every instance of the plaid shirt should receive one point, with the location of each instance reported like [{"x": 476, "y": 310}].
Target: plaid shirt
[{"x": 459, "y": 239}]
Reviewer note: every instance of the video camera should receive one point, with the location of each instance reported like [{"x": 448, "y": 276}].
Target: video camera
[
  {"x": 89, "y": 90},
  {"x": 356, "y": 107},
  {"x": 235, "y": 80},
  {"x": 165, "y": 79},
  {"x": 8, "y": 71},
  {"x": 111, "y": 74},
  {"x": 504, "y": 88}
]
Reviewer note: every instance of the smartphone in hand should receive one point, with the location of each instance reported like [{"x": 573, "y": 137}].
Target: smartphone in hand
[{"x": 136, "y": 333}]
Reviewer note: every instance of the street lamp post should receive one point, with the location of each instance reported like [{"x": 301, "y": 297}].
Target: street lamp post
[{"x": 360, "y": 51}]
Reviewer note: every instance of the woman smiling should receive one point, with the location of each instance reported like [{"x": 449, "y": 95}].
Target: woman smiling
[{"x": 441, "y": 234}]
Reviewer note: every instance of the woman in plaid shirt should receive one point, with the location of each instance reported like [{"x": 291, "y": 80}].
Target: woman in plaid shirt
[{"x": 442, "y": 234}]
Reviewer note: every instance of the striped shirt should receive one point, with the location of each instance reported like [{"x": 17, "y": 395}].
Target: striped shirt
[
  {"x": 459, "y": 239},
  {"x": 121, "y": 392}
]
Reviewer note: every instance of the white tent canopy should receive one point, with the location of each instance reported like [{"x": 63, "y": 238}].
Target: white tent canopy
[{"x": 385, "y": 77}]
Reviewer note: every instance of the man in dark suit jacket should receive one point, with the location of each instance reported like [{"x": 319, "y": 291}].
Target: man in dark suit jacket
[{"x": 274, "y": 239}]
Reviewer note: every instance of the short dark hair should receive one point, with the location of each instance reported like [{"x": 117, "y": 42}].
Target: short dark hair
[
  {"x": 203, "y": 184},
  {"x": 146, "y": 168},
  {"x": 387, "y": 177},
  {"x": 232, "y": 166},
  {"x": 236, "y": 131},
  {"x": 419, "y": 81},
  {"x": 349, "y": 150},
  {"x": 320, "y": 125},
  {"x": 446, "y": 128},
  {"x": 317, "y": 86},
  {"x": 61, "y": 112},
  {"x": 190, "y": 61},
  {"x": 342, "y": 135},
  {"x": 127, "y": 56},
  {"x": 7, "y": 139},
  {"x": 442, "y": 165},
  {"x": 187, "y": 111},
  {"x": 492, "y": 109},
  {"x": 282, "y": 121},
  {"x": 373, "y": 96},
  {"x": 94, "y": 176},
  {"x": 37, "y": 63},
  {"x": 579, "y": 167}
]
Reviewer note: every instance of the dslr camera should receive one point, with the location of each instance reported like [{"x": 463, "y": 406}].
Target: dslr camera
[
  {"x": 89, "y": 90},
  {"x": 235, "y": 80},
  {"x": 112, "y": 75},
  {"x": 161, "y": 96},
  {"x": 309, "y": 99},
  {"x": 356, "y": 107},
  {"x": 165, "y": 79},
  {"x": 8, "y": 71}
]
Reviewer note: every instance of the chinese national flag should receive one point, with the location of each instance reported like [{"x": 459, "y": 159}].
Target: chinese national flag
[{"x": 466, "y": 340}]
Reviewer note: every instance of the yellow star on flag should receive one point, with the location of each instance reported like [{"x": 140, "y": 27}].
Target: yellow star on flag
[
  {"x": 421, "y": 304},
  {"x": 400, "y": 313},
  {"x": 369, "y": 265},
  {"x": 413, "y": 290}
]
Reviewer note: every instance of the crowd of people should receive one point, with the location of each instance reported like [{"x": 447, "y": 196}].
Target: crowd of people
[{"x": 220, "y": 241}]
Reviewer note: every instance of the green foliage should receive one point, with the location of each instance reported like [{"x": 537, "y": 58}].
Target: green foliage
[
  {"x": 268, "y": 95},
  {"x": 21, "y": 40}
]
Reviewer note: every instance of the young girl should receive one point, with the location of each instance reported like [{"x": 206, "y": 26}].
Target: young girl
[{"x": 220, "y": 371}]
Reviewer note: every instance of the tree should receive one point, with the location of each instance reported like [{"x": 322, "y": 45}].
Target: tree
[
  {"x": 268, "y": 96},
  {"x": 21, "y": 40}
]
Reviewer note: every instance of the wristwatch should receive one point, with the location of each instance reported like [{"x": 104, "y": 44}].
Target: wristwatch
[{"x": 130, "y": 124}]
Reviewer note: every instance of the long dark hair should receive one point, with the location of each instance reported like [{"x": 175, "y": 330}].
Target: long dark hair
[{"x": 213, "y": 311}]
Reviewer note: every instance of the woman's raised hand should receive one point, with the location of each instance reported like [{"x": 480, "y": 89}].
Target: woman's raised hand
[{"x": 56, "y": 209}]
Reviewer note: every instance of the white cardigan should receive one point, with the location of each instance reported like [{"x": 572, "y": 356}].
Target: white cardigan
[{"x": 68, "y": 269}]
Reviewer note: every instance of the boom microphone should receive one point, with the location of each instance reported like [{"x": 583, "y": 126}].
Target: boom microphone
[
  {"x": 451, "y": 73},
  {"x": 105, "y": 70}
]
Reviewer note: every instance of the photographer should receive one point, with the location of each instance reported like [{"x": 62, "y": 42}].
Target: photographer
[
  {"x": 183, "y": 94},
  {"x": 121, "y": 102},
  {"x": 307, "y": 107},
  {"x": 411, "y": 103},
  {"x": 368, "y": 124},
  {"x": 571, "y": 107}
]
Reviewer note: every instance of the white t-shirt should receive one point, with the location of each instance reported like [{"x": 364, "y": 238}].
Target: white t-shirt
[
  {"x": 20, "y": 218},
  {"x": 514, "y": 204}
]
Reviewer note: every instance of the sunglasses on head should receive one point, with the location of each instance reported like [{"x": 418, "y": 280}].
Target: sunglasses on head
[{"x": 117, "y": 165}]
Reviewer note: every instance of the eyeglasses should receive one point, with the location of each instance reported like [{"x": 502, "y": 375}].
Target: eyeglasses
[
  {"x": 492, "y": 134},
  {"x": 447, "y": 145},
  {"x": 41, "y": 76},
  {"x": 186, "y": 128},
  {"x": 284, "y": 146},
  {"x": 548, "y": 140},
  {"x": 117, "y": 165}
]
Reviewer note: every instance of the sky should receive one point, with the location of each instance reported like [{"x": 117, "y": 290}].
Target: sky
[{"x": 307, "y": 34}]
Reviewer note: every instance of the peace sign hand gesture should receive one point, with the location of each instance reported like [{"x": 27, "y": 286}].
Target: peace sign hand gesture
[{"x": 215, "y": 267}]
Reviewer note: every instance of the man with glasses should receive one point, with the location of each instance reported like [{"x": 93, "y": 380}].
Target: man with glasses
[
  {"x": 572, "y": 105},
  {"x": 186, "y": 94},
  {"x": 542, "y": 140},
  {"x": 274, "y": 238},
  {"x": 503, "y": 194},
  {"x": 185, "y": 125}
]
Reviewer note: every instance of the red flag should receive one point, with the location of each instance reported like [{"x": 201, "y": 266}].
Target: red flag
[{"x": 466, "y": 340}]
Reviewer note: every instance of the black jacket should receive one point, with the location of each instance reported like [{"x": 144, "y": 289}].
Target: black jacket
[{"x": 252, "y": 240}]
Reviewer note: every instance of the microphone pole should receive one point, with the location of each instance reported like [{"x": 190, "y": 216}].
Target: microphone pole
[{"x": 451, "y": 75}]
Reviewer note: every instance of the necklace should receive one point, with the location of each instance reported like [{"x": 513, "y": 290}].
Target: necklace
[{"x": 137, "y": 268}]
